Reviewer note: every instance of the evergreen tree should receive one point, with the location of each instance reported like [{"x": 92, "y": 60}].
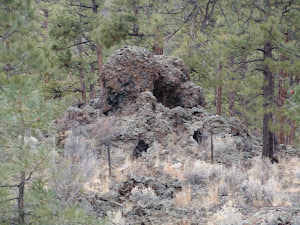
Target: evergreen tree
[
  {"x": 19, "y": 39},
  {"x": 23, "y": 112}
]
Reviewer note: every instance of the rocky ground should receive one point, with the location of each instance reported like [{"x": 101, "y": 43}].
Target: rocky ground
[{"x": 149, "y": 116}]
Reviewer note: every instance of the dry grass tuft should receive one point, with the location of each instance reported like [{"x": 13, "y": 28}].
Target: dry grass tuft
[
  {"x": 183, "y": 198},
  {"x": 228, "y": 215}
]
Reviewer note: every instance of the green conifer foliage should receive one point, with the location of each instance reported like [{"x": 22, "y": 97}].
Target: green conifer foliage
[{"x": 23, "y": 112}]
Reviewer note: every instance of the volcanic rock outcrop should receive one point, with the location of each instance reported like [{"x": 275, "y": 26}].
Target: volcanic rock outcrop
[
  {"x": 151, "y": 118},
  {"x": 153, "y": 100},
  {"x": 131, "y": 71}
]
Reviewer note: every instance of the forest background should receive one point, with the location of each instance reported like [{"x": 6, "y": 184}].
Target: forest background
[{"x": 245, "y": 54}]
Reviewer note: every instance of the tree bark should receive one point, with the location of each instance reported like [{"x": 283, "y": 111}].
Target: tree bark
[
  {"x": 231, "y": 92},
  {"x": 268, "y": 93},
  {"x": 92, "y": 91},
  {"x": 231, "y": 104},
  {"x": 99, "y": 49},
  {"x": 218, "y": 94},
  {"x": 282, "y": 94},
  {"x": 21, "y": 218},
  {"x": 219, "y": 100},
  {"x": 158, "y": 47},
  {"x": 81, "y": 73},
  {"x": 100, "y": 63},
  {"x": 244, "y": 122},
  {"x": 293, "y": 133}
]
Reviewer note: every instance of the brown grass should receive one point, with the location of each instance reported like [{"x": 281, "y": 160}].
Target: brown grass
[{"x": 183, "y": 198}]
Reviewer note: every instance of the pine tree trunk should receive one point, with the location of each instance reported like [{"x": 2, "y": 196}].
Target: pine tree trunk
[
  {"x": 219, "y": 100},
  {"x": 158, "y": 47},
  {"x": 92, "y": 91},
  {"x": 21, "y": 218},
  {"x": 268, "y": 93},
  {"x": 99, "y": 50},
  {"x": 244, "y": 111},
  {"x": 232, "y": 91},
  {"x": 81, "y": 74},
  {"x": 293, "y": 123},
  {"x": 297, "y": 79},
  {"x": 218, "y": 94},
  {"x": 231, "y": 104},
  {"x": 293, "y": 133},
  {"x": 282, "y": 93},
  {"x": 100, "y": 63},
  {"x": 281, "y": 100}
]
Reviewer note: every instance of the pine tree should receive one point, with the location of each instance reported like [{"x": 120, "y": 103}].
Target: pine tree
[
  {"x": 19, "y": 39},
  {"x": 23, "y": 112}
]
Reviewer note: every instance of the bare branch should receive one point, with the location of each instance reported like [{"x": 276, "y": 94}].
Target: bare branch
[
  {"x": 208, "y": 14},
  {"x": 81, "y": 5},
  {"x": 4, "y": 36},
  {"x": 16, "y": 185},
  {"x": 224, "y": 14},
  {"x": 83, "y": 42},
  {"x": 8, "y": 200},
  {"x": 29, "y": 176},
  {"x": 254, "y": 60},
  {"x": 255, "y": 96}
]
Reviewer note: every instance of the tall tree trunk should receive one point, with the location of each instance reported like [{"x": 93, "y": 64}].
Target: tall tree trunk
[
  {"x": 231, "y": 92},
  {"x": 243, "y": 69},
  {"x": 21, "y": 218},
  {"x": 268, "y": 93},
  {"x": 99, "y": 49},
  {"x": 158, "y": 47},
  {"x": 81, "y": 73},
  {"x": 218, "y": 93},
  {"x": 282, "y": 94},
  {"x": 92, "y": 91},
  {"x": 293, "y": 133},
  {"x": 231, "y": 104},
  {"x": 100, "y": 63},
  {"x": 244, "y": 122}
]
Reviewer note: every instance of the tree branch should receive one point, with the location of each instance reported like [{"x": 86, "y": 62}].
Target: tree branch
[
  {"x": 255, "y": 96},
  {"x": 81, "y": 5},
  {"x": 223, "y": 14},
  {"x": 4, "y": 36},
  {"x": 16, "y": 185},
  {"x": 79, "y": 43},
  {"x": 208, "y": 15},
  {"x": 254, "y": 60},
  {"x": 8, "y": 200},
  {"x": 29, "y": 176},
  {"x": 259, "y": 49}
]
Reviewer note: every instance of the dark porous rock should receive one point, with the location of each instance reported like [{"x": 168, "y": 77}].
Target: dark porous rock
[
  {"x": 131, "y": 71},
  {"x": 151, "y": 118},
  {"x": 152, "y": 99}
]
